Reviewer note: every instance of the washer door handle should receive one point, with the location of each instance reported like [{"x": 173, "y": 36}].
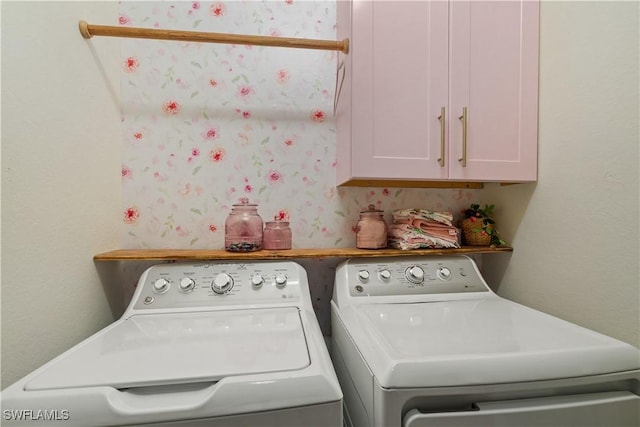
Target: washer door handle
[{"x": 154, "y": 399}]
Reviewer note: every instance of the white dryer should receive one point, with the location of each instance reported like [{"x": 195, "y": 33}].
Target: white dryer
[
  {"x": 210, "y": 344},
  {"x": 423, "y": 341}
]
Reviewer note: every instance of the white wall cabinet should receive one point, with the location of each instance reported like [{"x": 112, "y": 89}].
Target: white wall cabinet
[{"x": 414, "y": 67}]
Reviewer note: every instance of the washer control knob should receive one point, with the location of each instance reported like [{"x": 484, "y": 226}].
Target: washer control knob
[
  {"x": 363, "y": 276},
  {"x": 385, "y": 275},
  {"x": 222, "y": 283},
  {"x": 160, "y": 286},
  {"x": 281, "y": 280},
  {"x": 187, "y": 284},
  {"x": 257, "y": 281},
  {"x": 414, "y": 274},
  {"x": 444, "y": 273}
]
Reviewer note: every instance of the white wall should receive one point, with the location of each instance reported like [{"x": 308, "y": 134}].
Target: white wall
[
  {"x": 575, "y": 232},
  {"x": 61, "y": 180}
]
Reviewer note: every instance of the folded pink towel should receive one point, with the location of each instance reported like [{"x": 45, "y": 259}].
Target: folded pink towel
[{"x": 441, "y": 217}]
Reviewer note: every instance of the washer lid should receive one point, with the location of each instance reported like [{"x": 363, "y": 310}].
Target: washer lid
[
  {"x": 480, "y": 341},
  {"x": 161, "y": 349}
]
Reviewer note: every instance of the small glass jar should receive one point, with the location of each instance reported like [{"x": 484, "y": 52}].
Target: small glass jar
[
  {"x": 371, "y": 230},
  {"x": 277, "y": 235},
  {"x": 243, "y": 228}
]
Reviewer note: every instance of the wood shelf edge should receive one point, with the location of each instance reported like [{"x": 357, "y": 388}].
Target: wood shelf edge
[
  {"x": 204, "y": 254},
  {"x": 409, "y": 183}
]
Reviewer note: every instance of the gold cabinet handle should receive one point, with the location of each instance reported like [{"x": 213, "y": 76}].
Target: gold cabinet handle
[
  {"x": 463, "y": 117},
  {"x": 441, "y": 118}
]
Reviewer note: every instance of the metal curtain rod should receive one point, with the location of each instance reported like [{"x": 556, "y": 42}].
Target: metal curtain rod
[{"x": 89, "y": 30}]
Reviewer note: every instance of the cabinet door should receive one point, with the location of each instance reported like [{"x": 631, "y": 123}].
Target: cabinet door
[
  {"x": 494, "y": 73},
  {"x": 400, "y": 83}
]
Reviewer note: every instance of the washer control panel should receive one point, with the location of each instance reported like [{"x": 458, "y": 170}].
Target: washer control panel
[
  {"x": 219, "y": 284},
  {"x": 410, "y": 276}
]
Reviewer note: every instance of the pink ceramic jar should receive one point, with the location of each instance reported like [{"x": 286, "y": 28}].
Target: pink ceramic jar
[
  {"x": 371, "y": 230},
  {"x": 243, "y": 228}
]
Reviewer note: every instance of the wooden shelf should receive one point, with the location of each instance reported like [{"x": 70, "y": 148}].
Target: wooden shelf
[{"x": 204, "y": 254}]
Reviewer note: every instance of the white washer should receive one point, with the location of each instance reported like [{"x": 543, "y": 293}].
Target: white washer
[
  {"x": 211, "y": 344},
  {"x": 423, "y": 341}
]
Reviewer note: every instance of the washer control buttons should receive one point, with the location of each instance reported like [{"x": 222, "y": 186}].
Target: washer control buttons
[
  {"x": 187, "y": 284},
  {"x": 443, "y": 273},
  {"x": 161, "y": 286},
  {"x": 222, "y": 283},
  {"x": 385, "y": 275},
  {"x": 257, "y": 281},
  {"x": 363, "y": 276},
  {"x": 281, "y": 280},
  {"x": 414, "y": 274}
]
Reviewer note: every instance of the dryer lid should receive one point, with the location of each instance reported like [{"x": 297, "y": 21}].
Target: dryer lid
[
  {"x": 177, "y": 348},
  {"x": 481, "y": 341}
]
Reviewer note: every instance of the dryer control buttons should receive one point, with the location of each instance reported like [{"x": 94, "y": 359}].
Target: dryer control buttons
[
  {"x": 222, "y": 283},
  {"x": 385, "y": 275},
  {"x": 443, "y": 273},
  {"x": 414, "y": 274},
  {"x": 363, "y": 276},
  {"x": 281, "y": 280},
  {"x": 161, "y": 286},
  {"x": 187, "y": 284}
]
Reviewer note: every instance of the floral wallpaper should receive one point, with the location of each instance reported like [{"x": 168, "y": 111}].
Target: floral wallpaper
[{"x": 205, "y": 124}]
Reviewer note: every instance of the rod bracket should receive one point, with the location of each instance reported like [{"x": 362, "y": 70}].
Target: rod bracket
[{"x": 84, "y": 29}]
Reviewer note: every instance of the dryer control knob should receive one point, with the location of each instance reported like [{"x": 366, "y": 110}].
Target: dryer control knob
[
  {"x": 363, "y": 276},
  {"x": 444, "y": 273},
  {"x": 414, "y": 274},
  {"x": 187, "y": 284},
  {"x": 222, "y": 283},
  {"x": 257, "y": 280},
  {"x": 160, "y": 286},
  {"x": 385, "y": 275},
  {"x": 281, "y": 280}
]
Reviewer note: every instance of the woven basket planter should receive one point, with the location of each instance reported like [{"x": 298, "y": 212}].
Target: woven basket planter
[{"x": 474, "y": 238}]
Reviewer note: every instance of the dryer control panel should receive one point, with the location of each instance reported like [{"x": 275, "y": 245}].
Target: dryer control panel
[
  {"x": 410, "y": 276},
  {"x": 219, "y": 284}
]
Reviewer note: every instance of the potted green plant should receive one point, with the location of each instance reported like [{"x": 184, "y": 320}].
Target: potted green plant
[{"x": 478, "y": 226}]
